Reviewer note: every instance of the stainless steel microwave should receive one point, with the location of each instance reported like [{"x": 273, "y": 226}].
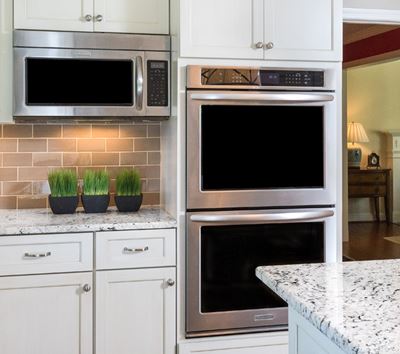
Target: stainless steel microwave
[{"x": 76, "y": 74}]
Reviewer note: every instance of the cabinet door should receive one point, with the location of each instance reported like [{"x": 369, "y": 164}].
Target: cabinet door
[
  {"x": 135, "y": 311},
  {"x": 53, "y": 15},
  {"x": 132, "y": 16},
  {"x": 6, "y": 61},
  {"x": 46, "y": 314},
  {"x": 303, "y": 29},
  {"x": 222, "y": 28}
]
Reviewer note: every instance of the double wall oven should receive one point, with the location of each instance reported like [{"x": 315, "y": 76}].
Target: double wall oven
[{"x": 261, "y": 172}]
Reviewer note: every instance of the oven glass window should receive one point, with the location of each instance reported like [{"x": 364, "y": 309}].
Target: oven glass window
[
  {"x": 79, "y": 82},
  {"x": 230, "y": 255},
  {"x": 262, "y": 147}
]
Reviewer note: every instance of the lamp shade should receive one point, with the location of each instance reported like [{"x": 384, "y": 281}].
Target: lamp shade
[{"x": 356, "y": 133}]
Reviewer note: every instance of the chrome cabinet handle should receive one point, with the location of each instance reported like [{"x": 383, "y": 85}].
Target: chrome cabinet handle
[
  {"x": 86, "y": 288},
  {"x": 99, "y": 18},
  {"x": 37, "y": 255},
  {"x": 139, "y": 83},
  {"x": 268, "y": 218},
  {"x": 269, "y": 45},
  {"x": 170, "y": 282},
  {"x": 88, "y": 18},
  {"x": 259, "y": 45},
  {"x": 135, "y": 250}
]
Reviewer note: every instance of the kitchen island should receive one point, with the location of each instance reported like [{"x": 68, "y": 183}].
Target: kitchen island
[{"x": 340, "y": 308}]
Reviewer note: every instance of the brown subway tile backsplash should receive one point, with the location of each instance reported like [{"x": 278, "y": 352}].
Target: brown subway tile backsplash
[
  {"x": 47, "y": 159},
  {"x": 8, "y": 145},
  {"x": 91, "y": 145},
  {"x": 133, "y": 131},
  {"x": 32, "y": 145},
  {"x": 62, "y": 145},
  {"x": 8, "y": 174},
  {"x": 28, "y": 152},
  {"x": 17, "y": 131},
  {"x": 77, "y": 131},
  {"x": 47, "y": 131},
  {"x": 105, "y": 158},
  {"x": 147, "y": 144},
  {"x": 17, "y": 159},
  {"x": 8, "y": 202},
  {"x": 17, "y": 188},
  {"x": 119, "y": 145}
]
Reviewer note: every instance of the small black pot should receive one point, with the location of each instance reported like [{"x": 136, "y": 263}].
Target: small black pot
[
  {"x": 95, "y": 203},
  {"x": 128, "y": 203},
  {"x": 63, "y": 205}
]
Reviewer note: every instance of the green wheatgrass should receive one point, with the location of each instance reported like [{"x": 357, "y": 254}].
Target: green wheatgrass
[
  {"x": 63, "y": 183},
  {"x": 95, "y": 183},
  {"x": 128, "y": 183}
]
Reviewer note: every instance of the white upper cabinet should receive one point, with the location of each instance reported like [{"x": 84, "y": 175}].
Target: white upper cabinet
[
  {"x": 132, "y": 16},
  {"x": 262, "y": 29},
  {"x": 302, "y": 29},
  {"x": 222, "y": 28},
  {"x": 59, "y": 15},
  {"x": 124, "y": 16}
]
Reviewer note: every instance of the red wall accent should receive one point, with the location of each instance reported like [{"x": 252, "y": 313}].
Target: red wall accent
[{"x": 375, "y": 45}]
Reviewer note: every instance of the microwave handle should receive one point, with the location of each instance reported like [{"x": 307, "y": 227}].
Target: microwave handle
[
  {"x": 139, "y": 83},
  {"x": 268, "y": 218},
  {"x": 265, "y": 97}
]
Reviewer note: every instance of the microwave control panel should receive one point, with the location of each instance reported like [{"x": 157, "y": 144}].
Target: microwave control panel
[
  {"x": 157, "y": 83},
  {"x": 262, "y": 77}
]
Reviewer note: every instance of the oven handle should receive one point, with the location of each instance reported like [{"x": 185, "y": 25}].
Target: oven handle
[
  {"x": 139, "y": 83},
  {"x": 272, "y": 218},
  {"x": 264, "y": 97}
]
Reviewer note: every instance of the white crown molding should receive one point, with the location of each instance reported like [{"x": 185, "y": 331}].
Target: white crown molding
[{"x": 372, "y": 16}]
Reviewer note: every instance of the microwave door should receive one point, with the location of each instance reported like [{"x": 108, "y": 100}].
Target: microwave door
[{"x": 65, "y": 82}]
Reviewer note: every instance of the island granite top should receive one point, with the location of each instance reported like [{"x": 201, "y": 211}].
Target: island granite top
[
  {"x": 355, "y": 304},
  {"x": 43, "y": 221}
]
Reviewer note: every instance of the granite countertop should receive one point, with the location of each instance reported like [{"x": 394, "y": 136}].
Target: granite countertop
[
  {"x": 355, "y": 304},
  {"x": 41, "y": 221}
]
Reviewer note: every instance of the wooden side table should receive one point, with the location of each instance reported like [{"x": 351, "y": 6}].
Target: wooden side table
[{"x": 375, "y": 184}]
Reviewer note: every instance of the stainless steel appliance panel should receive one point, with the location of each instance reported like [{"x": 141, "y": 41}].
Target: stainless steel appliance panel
[{"x": 223, "y": 293}]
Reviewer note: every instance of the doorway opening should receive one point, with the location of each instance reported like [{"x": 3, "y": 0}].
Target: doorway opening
[{"x": 371, "y": 99}]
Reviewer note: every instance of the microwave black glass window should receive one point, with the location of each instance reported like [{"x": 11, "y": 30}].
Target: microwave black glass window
[
  {"x": 74, "y": 82},
  {"x": 262, "y": 147}
]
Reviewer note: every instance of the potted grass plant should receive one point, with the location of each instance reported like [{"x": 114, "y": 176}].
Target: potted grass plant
[
  {"x": 128, "y": 195},
  {"x": 95, "y": 196},
  {"x": 64, "y": 191}
]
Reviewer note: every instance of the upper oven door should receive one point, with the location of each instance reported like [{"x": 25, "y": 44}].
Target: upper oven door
[
  {"x": 80, "y": 82},
  {"x": 260, "y": 149}
]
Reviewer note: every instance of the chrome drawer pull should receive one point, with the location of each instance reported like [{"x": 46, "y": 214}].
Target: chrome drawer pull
[
  {"x": 37, "y": 255},
  {"x": 135, "y": 250}
]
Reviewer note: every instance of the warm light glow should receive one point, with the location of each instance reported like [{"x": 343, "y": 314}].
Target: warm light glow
[{"x": 356, "y": 133}]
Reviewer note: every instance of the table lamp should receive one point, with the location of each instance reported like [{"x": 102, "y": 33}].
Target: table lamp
[{"x": 355, "y": 134}]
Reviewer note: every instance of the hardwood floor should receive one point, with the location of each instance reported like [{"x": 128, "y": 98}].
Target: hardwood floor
[{"x": 366, "y": 241}]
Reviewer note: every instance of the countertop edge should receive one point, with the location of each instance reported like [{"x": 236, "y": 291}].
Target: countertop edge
[{"x": 321, "y": 324}]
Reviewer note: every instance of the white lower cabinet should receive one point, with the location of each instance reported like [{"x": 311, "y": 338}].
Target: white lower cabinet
[
  {"x": 265, "y": 343},
  {"x": 46, "y": 314},
  {"x": 136, "y": 311}
]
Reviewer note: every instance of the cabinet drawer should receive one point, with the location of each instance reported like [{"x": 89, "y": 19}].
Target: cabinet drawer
[
  {"x": 46, "y": 254},
  {"x": 367, "y": 191},
  {"x": 135, "y": 249},
  {"x": 370, "y": 178}
]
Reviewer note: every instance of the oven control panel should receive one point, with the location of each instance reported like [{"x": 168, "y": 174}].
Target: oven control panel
[
  {"x": 157, "y": 84},
  {"x": 262, "y": 77}
]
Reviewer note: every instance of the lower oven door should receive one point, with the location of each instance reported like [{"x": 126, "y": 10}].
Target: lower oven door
[{"x": 223, "y": 250}]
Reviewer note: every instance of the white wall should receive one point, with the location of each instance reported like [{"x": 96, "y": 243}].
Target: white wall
[{"x": 372, "y": 4}]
